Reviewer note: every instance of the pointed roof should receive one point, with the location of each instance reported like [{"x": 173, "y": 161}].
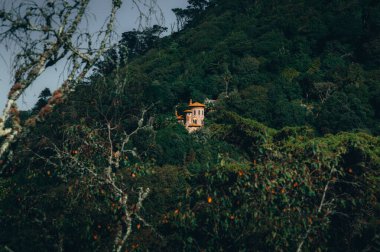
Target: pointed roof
[{"x": 196, "y": 104}]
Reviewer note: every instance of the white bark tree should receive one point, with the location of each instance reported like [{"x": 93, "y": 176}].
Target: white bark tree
[
  {"x": 98, "y": 163},
  {"x": 47, "y": 32}
]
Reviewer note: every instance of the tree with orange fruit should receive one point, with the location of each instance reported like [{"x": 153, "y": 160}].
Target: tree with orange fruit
[{"x": 98, "y": 157}]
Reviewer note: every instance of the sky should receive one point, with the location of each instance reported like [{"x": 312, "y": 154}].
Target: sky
[{"x": 127, "y": 19}]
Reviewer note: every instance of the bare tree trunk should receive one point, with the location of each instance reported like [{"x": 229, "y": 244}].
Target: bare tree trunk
[
  {"x": 100, "y": 176},
  {"x": 55, "y": 42}
]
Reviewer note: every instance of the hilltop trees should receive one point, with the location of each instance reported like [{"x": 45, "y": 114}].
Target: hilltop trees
[
  {"x": 281, "y": 69},
  {"x": 139, "y": 42},
  {"x": 42, "y": 100},
  {"x": 112, "y": 169},
  {"x": 193, "y": 10}
]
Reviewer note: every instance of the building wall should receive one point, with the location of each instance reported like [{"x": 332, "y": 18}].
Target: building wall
[
  {"x": 188, "y": 119},
  {"x": 198, "y": 115},
  {"x": 195, "y": 118},
  {"x": 192, "y": 129}
]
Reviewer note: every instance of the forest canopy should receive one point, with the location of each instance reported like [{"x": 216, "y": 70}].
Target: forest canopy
[{"x": 288, "y": 159}]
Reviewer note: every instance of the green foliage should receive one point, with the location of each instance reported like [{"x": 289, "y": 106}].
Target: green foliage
[
  {"x": 300, "y": 180},
  {"x": 345, "y": 113},
  {"x": 42, "y": 100},
  {"x": 287, "y": 49},
  {"x": 264, "y": 174},
  {"x": 173, "y": 144}
]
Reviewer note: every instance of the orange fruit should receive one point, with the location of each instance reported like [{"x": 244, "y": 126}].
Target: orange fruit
[{"x": 209, "y": 199}]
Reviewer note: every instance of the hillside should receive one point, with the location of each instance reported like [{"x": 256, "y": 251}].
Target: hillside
[
  {"x": 285, "y": 64},
  {"x": 288, "y": 160}
]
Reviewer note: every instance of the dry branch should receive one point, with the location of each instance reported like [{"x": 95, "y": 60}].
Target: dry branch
[{"x": 46, "y": 34}]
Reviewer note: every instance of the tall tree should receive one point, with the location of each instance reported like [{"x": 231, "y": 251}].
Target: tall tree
[
  {"x": 42, "y": 100},
  {"x": 47, "y": 33}
]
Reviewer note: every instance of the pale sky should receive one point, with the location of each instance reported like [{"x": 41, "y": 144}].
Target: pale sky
[{"x": 126, "y": 20}]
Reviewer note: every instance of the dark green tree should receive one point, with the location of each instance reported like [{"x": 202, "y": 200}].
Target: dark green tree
[{"x": 42, "y": 100}]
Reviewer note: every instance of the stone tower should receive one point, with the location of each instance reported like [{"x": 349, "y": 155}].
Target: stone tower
[{"x": 195, "y": 116}]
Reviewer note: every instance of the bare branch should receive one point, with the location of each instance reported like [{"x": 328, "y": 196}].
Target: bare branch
[
  {"x": 56, "y": 26},
  {"x": 321, "y": 205}
]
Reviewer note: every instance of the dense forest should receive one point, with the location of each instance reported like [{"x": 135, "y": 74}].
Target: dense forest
[{"x": 288, "y": 159}]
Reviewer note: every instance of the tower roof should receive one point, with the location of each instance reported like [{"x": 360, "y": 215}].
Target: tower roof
[
  {"x": 187, "y": 111},
  {"x": 196, "y": 104}
]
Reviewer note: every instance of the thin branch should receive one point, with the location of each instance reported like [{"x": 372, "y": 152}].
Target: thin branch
[{"x": 321, "y": 205}]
